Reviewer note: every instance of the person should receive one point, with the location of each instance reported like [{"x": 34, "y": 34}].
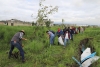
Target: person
[
  {"x": 54, "y": 35},
  {"x": 66, "y": 38},
  {"x": 51, "y": 37},
  {"x": 71, "y": 33},
  {"x": 64, "y": 30},
  {"x": 60, "y": 33},
  {"x": 52, "y": 31},
  {"x": 16, "y": 41},
  {"x": 79, "y": 29}
]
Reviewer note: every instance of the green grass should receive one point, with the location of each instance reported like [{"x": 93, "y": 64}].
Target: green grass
[{"x": 39, "y": 53}]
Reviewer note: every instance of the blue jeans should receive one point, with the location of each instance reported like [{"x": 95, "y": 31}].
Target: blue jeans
[
  {"x": 71, "y": 36},
  {"x": 66, "y": 41},
  {"x": 18, "y": 46},
  {"x": 52, "y": 39}
]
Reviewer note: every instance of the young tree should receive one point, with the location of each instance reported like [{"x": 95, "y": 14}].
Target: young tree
[
  {"x": 62, "y": 23},
  {"x": 47, "y": 23},
  {"x": 44, "y": 11}
]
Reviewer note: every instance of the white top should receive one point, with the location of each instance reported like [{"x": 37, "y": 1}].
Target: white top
[{"x": 66, "y": 36}]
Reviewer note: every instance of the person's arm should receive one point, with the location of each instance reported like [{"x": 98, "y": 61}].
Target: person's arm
[
  {"x": 21, "y": 36},
  {"x": 48, "y": 35}
]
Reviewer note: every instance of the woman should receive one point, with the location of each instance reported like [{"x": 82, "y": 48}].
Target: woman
[{"x": 66, "y": 38}]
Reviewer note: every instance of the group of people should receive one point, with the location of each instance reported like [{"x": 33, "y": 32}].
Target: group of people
[
  {"x": 63, "y": 38},
  {"x": 64, "y": 35}
]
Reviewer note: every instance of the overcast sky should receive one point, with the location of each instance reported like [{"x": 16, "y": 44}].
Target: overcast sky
[{"x": 72, "y": 11}]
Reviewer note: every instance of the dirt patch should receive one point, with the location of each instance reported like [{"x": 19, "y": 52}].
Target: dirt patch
[
  {"x": 87, "y": 42},
  {"x": 84, "y": 43}
]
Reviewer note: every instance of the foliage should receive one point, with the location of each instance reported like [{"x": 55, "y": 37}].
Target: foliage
[
  {"x": 37, "y": 50},
  {"x": 47, "y": 23},
  {"x": 44, "y": 11},
  {"x": 33, "y": 24},
  {"x": 63, "y": 23}
]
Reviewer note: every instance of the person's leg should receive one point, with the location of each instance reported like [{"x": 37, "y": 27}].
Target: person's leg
[
  {"x": 67, "y": 40},
  {"x": 72, "y": 37},
  {"x": 11, "y": 49},
  {"x": 64, "y": 42},
  {"x": 19, "y": 47},
  {"x": 58, "y": 40},
  {"x": 51, "y": 40}
]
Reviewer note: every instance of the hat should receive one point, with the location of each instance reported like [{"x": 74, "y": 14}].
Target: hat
[{"x": 23, "y": 31}]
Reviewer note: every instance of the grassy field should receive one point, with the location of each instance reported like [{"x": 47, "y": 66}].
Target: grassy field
[{"x": 38, "y": 53}]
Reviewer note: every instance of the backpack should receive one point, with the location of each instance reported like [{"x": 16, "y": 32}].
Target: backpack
[{"x": 52, "y": 31}]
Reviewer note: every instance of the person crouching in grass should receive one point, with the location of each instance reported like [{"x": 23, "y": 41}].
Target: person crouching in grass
[{"x": 16, "y": 42}]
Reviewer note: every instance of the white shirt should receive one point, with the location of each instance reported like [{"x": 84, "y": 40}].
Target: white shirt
[{"x": 66, "y": 36}]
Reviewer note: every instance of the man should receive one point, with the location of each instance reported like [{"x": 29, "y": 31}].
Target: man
[
  {"x": 71, "y": 33},
  {"x": 16, "y": 41}
]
